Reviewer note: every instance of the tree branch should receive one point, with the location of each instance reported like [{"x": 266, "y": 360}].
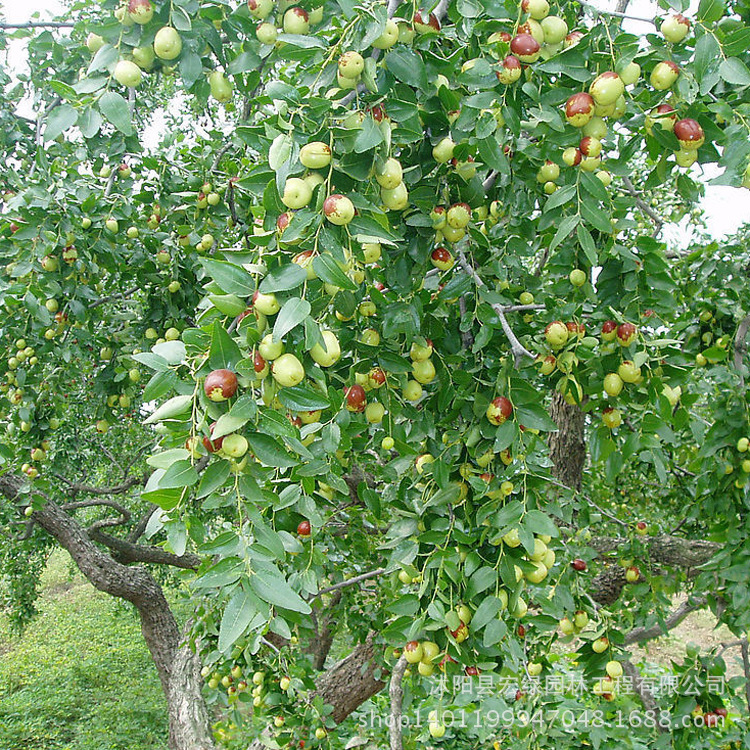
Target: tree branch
[
  {"x": 740, "y": 348},
  {"x": 658, "y": 221},
  {"x": 352, "y": 581},
  {"x": 638, "y": 635},
  {"x": 127, "y": 553},
  {"x": 397, "y": 698},
  {"x": 517, "y": 348},
  {"x": 38, "y": 25},
  {"x": 120, "y": 295},
  {"x": 648, "y": 700}
]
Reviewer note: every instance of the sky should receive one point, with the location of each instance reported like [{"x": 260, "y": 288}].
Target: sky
[{"x": 725, "y": 207}]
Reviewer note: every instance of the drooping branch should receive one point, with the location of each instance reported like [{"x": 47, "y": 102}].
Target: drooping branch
[
  {"x": 397, "y": 698},
  {"x": 638, "y": 635}
]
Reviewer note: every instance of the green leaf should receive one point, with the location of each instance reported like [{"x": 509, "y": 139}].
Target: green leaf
[
  {"x": 116, "y": 111},
  {"x": 735, "y": 72},
  {"x": 160, "y": 385},
  {"x": 707, "y": 51},
  {"x": 280, "y": 152},
  {"x": 587, "y": 244},
  {"x": 105, "y": 57},
  {"x": 495, "y": 631},
  {"x": 191, "y": 67},
  {"x": 505, "y": 434},
  {"x": 224, "y": 351},
  {"x": 232, "y": 279},
  {"x": 486, "y": 611},
  {"x": 224, "y": 573},
  {"x": 407, "y": 66},
  {"x": 229, "y": 304},
  {"x": 238, "y": 614},
  {"x": 328, "y": 270},
  {"x": 179, "y": 474},
  {"x": 301, "y": 41},
  {"x": 540, "y": 523},
  {"x": 565, "y": 227},
  {"x": 535, "y": 417},
  {"x": 269, "y": 451},
  {"x": 283, "y": 279},
  {"x": 173, "y": 407},
  {"x": 213, "y": 478},
  {"x": 301, "y": 398},
  {"x": 166, "y": 458},
  {"x": 293, "y": 313},
  {"x": 89, "y": 122},
  {"x": 269, "y": 584},
  {"x": 172, "y": 352},
  {"x": 710, "y": 10},
  {"x": 560, "y": 197},
  {"x": 61, "y": 118},
  {"x": 152, "y": 361}
]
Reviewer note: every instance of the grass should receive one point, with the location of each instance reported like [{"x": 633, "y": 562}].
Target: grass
[{"x": 80, "y": 677}]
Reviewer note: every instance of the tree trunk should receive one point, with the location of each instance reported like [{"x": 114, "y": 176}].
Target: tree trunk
[
  {"x": 177, "y": 666},
  {"x": 567, "y": 445}
]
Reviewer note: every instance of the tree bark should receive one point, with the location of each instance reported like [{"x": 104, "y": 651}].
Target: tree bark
[
  {"x": 176, "y": 665},
  {"x": 567, "y": 446}
]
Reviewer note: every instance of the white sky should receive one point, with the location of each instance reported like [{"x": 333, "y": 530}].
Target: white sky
[{"x": 725, "y": 208}]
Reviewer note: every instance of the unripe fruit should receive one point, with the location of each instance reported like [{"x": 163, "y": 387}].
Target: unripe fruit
[
  {"x": 338, "y": 209},
  {"x": 296, "y": 21},
  {"x": 629, "y": 372},
  {"x": 167, "y": 43},
  {"x": 396, "y": 199},
  {"x": 607, "y": 88},
  {"x": 287, "y": 370},
  {"x": 329, "y": 354},
  {"x": 390, "y": 175},
  {"x": 426, "y": 24},
  {"x": 94, "y": 43},
  {"x": 234, "y": 445},
  {"x": 664, "y": 75},
  {"x": 675, "y": 28},
  {"x": 127, "y": 73},
  {"x": 555, "y": 29},
  {"x": 374, "y": 412},
  {"x": 315, "y": 155},
  {"x": 260, "y": 9},
  {"x": 221, "y": 88},
  {"x": 389, "y": 37},
  {"x": 266, "y": 33},
  {"x": 577, "y": 277},
  {"x": 297, "y": 193},
  {"x": 412, "y": 391},
  {"x": 351, "y": 65}
]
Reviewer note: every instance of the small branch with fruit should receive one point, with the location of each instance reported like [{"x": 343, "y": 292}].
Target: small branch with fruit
[{"x": 658, "y": 221}]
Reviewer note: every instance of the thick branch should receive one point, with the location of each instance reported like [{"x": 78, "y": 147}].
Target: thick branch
[
  {"x": 638, "y": 635},
  {"x": 128, "y": 553}
]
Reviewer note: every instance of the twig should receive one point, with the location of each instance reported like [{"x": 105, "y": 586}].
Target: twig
[
  {"x": 396, "y": 692},
  {"x": 740, "y": 347},
  {"x": 110, "y": 183},
  {"x": 658, "y": 221},
  {"x": 638, "y": 635},
  {"x": 352, "y": 581},
  {"x": 490, "y": 180},
  {"x": 616, "y": 13},
  {"x": 746, "y": 668},
  {"x": 86, "y": 489},
  {"x": 121, "y": 295},
  {"x": 542, "y": 261},
  {"x": 223, "y": 150},
  {"x": 517, "y": 348}
]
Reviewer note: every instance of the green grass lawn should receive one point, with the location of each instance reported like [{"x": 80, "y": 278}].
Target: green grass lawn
[{"x": 80, "y": 677}]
